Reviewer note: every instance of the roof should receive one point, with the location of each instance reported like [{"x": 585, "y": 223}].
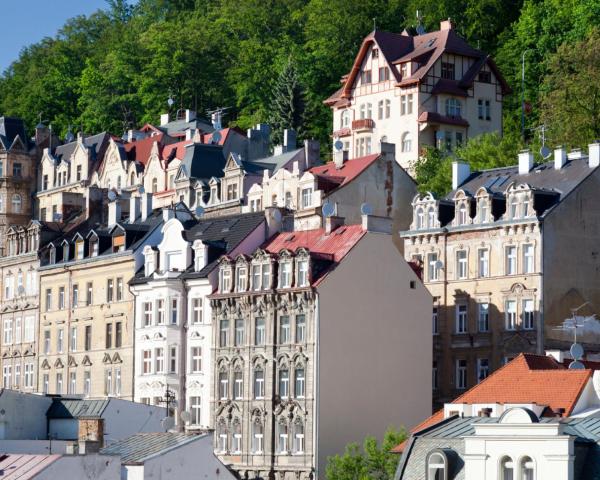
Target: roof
[
  {"x": 140, "y": 150},
  {"x": 203, "y": 161},
  {"x": 349, "y": 170},
  {"x": 272, "y": 163},
  {"x": 10, "y": 128},
  {"x": 180, "y": 126},
  {"x": 527, "y": 379},
  {"x": 95, "y": 143},
  {"x": 24, "y": 467},
  {"x": 76, "y": 408},
  {"x": 434, "y": 117},
  {"x": 143, "y": 446}
]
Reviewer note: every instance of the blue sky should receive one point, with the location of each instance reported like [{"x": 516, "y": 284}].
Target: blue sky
[{"x": 28, "y": 21}]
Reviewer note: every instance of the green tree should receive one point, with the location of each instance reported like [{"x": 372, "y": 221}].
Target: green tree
[
  {"x": 287, "y": 104},
  {"x": 373, "y": 462}
]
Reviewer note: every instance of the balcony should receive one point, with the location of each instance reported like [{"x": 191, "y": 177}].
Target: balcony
[
  {"x": 363, "y": 124},
  {"x": 342, "y": 132}
]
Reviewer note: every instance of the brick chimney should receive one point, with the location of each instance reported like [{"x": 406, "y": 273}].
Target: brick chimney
[
  {"x": 91, "y": 434},
  {"x": 446, "y": 25}
]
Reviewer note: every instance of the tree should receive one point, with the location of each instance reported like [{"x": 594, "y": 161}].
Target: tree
[
  {"x": 287, "y": 104},
  {"x": 571, "y": 101},
  {"x": 373, "y": 462}
]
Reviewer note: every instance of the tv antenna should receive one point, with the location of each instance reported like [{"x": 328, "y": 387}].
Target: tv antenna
[
  {"x": 216, "y": 116},
  {"x": 545, "y": 152},
  {"x": 573, "y": 323},
  {"x": 168, "y": 400},
  {"x": 420, "y": 28}
]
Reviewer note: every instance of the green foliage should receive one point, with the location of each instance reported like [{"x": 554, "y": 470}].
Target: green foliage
[
  {"x": 287, "y": 105},
  {"x": 372, "y": 462}
]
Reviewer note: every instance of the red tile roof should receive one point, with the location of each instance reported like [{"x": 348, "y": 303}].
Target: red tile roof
[
  {"x": 140, "y": 149},
  {"x": 348, "y": 172},
  {"x": 225, "y": 133},
  {"x": 175, "y": 150},
  {"x": 527, "y": 379}
]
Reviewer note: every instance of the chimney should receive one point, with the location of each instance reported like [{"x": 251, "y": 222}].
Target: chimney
[
  {"x": 560, "y": 157},
  {"x": 164, "y": 119},
  {"x": 278, "y": 150},
  {"x": 333, "y": 222},
  {"x": 460, "y": 172},
  {"x": 114, "y": 212},
  {"x": 446, "y": 25},
  {"x": 189, "y": 134},
  {"x": 525, "y": 161},
  {"x": 91, "y": 435},
  {"x": 388, "y": 151},
  {"x": 289, "y": 140},
  {"x": 575, "y": 154},
  {"x": 594, "y": 154},
  {"x": 274, "y": 219},
  {"x": 485, "y": 412},
  {"x": 190, "y": 115},
  {"x": 311, "y": 153},
  {"x": 168, "y": 213},
  {"x": 374, "y": 223},
  {"x": 146, "y": 205},
  {"x": 79, "y": 137},
  {"x": 339, "y": 157},
  {"x": 134, "y": 208}
]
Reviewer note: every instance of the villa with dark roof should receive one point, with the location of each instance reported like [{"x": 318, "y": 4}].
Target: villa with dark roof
[
  {"x": 416, "y": 90},
  {"x": 507, "y": 255}
]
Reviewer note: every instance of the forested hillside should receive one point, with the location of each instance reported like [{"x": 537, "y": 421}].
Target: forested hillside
[{"x": 115, "y": 69}]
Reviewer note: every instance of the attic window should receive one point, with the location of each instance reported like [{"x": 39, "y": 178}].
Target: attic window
[
  {"x": 118, "y": 243},
  {"x": 485, "y": 77},
  {"x": 375, "y": 53},
  {"x": 430, "y": 43},
  {"x": 93, "y": 247}
]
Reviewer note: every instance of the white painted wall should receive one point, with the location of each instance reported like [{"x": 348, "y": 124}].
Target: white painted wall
[
  {"x": 16, "y": 426},
  {"x": 82, "y": 467}
]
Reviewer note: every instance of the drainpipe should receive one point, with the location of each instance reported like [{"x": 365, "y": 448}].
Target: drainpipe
[
  {"x": 184, "y": 319},
  {"x": 446, "y": 313},
  {"x": 541, "y": 327},
  {"x": 133, "y": 335},
  {"x": 316, "y": 397},
  {"x": 273, "y": 394}
]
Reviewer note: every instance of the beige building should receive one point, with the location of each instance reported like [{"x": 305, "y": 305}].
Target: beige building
[
  {"x": 301, "y": 326},
  {"x": 86, "y": 329},
  {"x": 506, "y": 255},
  {"x": 430, "y": 89}
]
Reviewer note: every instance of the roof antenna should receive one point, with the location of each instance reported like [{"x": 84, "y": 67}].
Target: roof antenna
[
  {"x": 374, "y": 24},
  {"x": 573, "y": 323},
  {"x": 420, "y": 28}
]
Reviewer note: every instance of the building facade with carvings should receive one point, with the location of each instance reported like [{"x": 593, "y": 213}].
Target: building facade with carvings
[
  {"x": 285, "y": 318},
  {"x": 497, "y": 255},
  {"x": 416, "y": 90}
]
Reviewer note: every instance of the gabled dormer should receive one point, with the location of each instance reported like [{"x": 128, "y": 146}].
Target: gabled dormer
[
  {"x": 463, "y": 204},
  {"x": 425, "y": 212},
  {"x": 93, "y": 244},
  {"x": 214, "y": 185},
  {"x": 226, "y": 267},
  {"x": 200, "y": 255},
  {"x": 47, "y": 171},
  {"x": 150, "y": 260},
  {"x": 66, "y": 250},
  {"x": 79, "y": 244},
  {"x": 261, "y": 270},
  {"x": 519, "y": 202},
  {"x": 118, "y": 239},
  {"x": 175, "y": 251}
]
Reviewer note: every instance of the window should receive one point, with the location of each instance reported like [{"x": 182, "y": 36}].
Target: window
[
  {"x": 109, "y": 332},
  {"x": 61, "y": 298},
  {"x": 448, "y": 70},
  {"x": 483, "y": 256},
  {"x": 431, "y": 218},
  {"x": 384, "y": 74},
  {"x": 302, "y": 273},
  {"x": 453, "y": 107},
  {"x": 527, "y": 469},
  {"x": 406, "y": 104},
  {"x": 484, "y": 109},
  {"x": 78, "y": 175},
  {"x": 461, "y": 264},
  {"x": 29, "y": 330},
  {"x": 242, "y": 277},
  {"x": 239, "y": 332},
  {"x": 434, "y": 321},
  {"x": 28, "y": 379},
  {"x": 6, "y": 376},
  {"x": 73, "y": 339},
  {"x": 7, "y": 332},
  {"x": 225, "y": 285},
  {"x": 404, "y": 70},
  {"x": 406, "y": 142},
  {"x": 282, "y": 444},
  {"x": 223, "y": 333},
  {"x": 511, "y": 314},
  {"x": 196, "y": 403},
  {"x": 298, "y": 438},
  {"x": 284, "y": 383},
  {"x": 60, "y": 340},
  {"x": 174, "y": 311},
  {"x": 285, "y": 274},
  {"x": 461, "y": 374},
  {"x": 436, "y": 467},
  {"x": 108, "y": 382},
  {"x": 90, "y": 294},
  {"x": 148, "y": 312},
  {"x": 506, "y": 469},
  {"x": 514, "y": 208},
  {"x": 266, "y": 276},
  {"x": 365, "y": 77},
  {"x": 511, "y": 260},
  {"x": 48, "y": 299},
  {"x": 232, "y": 191},
  {"x": 196, "y": 366},
  {"x": 420, "y": 216},
  {"x": 93, "y": 248},
  {"x": 223, "y": 386},
  {"x": 46, "y": 341},
  {"x": 388, "y": 109},
  {"x": 528, "y": 315},
  {"x": 307, "y": 197},
  {"x": 433, "y": 268},
  {"x": 45, "y": 383},
  {"x": 461, "y": 318},
  {"x": 236, "y": 446},
  {"x": 300, "y": 328},
  {"x": 284, "y": 329},
  {"x": 75, "y": 295},
  {"x": 299, "y": 385},
  {"x": 485, "y": 76},
  {"x": 528, "y": 258},
  {"x": 118, "y": 334},
  {"x": 375, "y": 53},
  {"x": 159, "y": 360},
  {"x": 345, "y": 118},
  {"x": 147, "y": 362},
  {"x": 87, "y": 383},
  {"x": 462, "y": 214},
  {"x": 257, "y": 438},
  {"x": 380, "y": 110},
  {"x": 434, "y": 376},
  {"x": 483, "y": 369},
  {"x": 196, "y": 310},
  {"x": 16, "y": 203},
  {"x": 59, "y": 383},
  {"x": 17, "y": 383},
  {"x": 259, "y": 383},
  {"x": 256, "y": 277},
  {"x": 119, "y": 289},
  {"x": 259, "y": 331},
  {"x": 160, "y": 311},
  {"x": 483, "y": 317},
  {"x": 72, "y": 382},
  {"x": 117, "y": 388},
  {"x": 88, "y": 338}
]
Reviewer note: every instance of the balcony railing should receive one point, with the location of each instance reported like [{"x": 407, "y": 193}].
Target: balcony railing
[{"x": 363, "y": 124}]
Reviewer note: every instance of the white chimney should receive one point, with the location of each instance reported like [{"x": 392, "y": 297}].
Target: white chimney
[
  {"x": 460, "y": 172},
  {"x": 164, "y": 119},
  {"x": 190, "y": 115},
  {"x": 594, "y": 154},
  {"x": 575, "y": 154},
  {"x": 560, "y": 157},
  {"x": 114, "y": 212},
  {"x": 189, "y": 134},
  {"x": 525, "y": 161},
  {"x": 339, "y": 157},
  {"x": 289, "y": 140},
  {"x": 168, "y": 213},
  {"x": 134, "y": 208},
  {"x": 446, "y": 25},
  {"x": 146, "y": 206}
]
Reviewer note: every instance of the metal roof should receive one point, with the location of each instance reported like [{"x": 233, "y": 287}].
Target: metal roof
[
  {"x": 24, "y": 467},
  {"x": 76, "y": 408},
  {"x": 142, "y": 446}
]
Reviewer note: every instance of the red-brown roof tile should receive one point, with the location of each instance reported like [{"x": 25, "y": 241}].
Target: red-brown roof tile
[
  {"x": 434, "y": 117},
  {"x": 348, "y": 171},
  {"x": 140, "y": 149}
]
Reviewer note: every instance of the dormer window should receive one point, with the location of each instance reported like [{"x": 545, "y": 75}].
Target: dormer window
[
  {"x": 225, "y": 280},
  {"x": 431, "y": 218},
  {"x": 437, "y": 466},
  {"x": 302, "y": 273},
  {"x": 365, "y": 77},
  {"x": 448, "y": 70},
  {"x": 242, "y": 278},
  {"x": 266, "y": 276},
  {"x": 285, "y": 274},
  {"x": 525, "y": 207},
  {"x": 149, "y": 265},
  {"x": 52, "y": 256},
  {"x": 462, "y": 214},
  {"x": 118, "y": 243},
  {"x": 65, "y": 252},
  {"x": 483, "y": 210},
  {"x": 514, "y": 208},
  {"x": 93, "y": 247},
  {"x": 420, "y": 218},
  {"x": 79, "y": 248},
  {"x": 404, "y": 70}
]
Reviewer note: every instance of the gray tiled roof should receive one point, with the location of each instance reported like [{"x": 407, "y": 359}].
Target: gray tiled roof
[
  {"x": 272, "y": 163},
  {"x": 76, "y": 408},
  {"x": 142, "y": 446},
  {"x": 96, "y": 143},
  {"x": 180, "y": 126},
  {"x": 10, "y": 127},
  {"x": 203, "y": 161}
]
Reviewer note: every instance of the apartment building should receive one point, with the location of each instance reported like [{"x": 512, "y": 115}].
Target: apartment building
[
  {"x": 301, "y": 325},
  {"x": 173, "y": 325},
  {"x": 86, "y": 318},
  {"x": 416, "y": 90},
  {"x": 507, "y": 255}
]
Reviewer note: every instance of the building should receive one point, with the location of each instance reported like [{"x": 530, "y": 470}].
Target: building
[
  {"x": 416, "y": 90},
  {"x": 497, "y": 254},
  {"x": 168, "y": 456},
  {"x": 86, "y": 330},
  {"x": 67, "y": 467},
  {"x": 533, "y": 418},
  {"x": 173, "y": 327},
  {"x": 301, "y": 325}
]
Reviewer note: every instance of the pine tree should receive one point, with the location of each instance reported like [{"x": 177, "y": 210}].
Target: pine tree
[{"x": 287, "y": 105}]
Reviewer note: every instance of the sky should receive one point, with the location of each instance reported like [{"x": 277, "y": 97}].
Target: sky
[{"x": 28, "y": 21}]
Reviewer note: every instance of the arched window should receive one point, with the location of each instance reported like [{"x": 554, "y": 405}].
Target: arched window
[
  {"x": 462, "y": 214},
  {"x": 527, "y": 469},
  {"x": 507, "y": 471},
  {"x": 483, "y": 210},
  {"x": 298, "y": 438},
  {"x": 406, "y": 142},
  {"x": 453, "y": 107},
  {"x": 420, "y": 218},
  {"x": 16, "y": 203},
  {"x": 259, "y": 383},
  {"x": 257, "y": 438},
  {"x": 437, "y": 467},
  {"x": 154, "y": 185},
  {"x": 431, "y": 218},
  {"x": 222, "y": 437},
  {"x": 236, "y": 443},
  {"x": 345, "y": 118}
]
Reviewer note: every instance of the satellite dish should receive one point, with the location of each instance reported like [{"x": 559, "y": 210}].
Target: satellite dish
[
  {"x": 328, "y": 209},
  {"x": 439, "y": 264},
  {"x": 141, "y": 190},
  {"x": 199, "y": 211},
  {"x": 276, "y": 215},
  {"x": 167, "y": 423},
  {"x": 216, "y": 137},
  {"x": 576, "y": 365},
  {"x": 185, "y": 416},
  {"x": 577, "y": 351},
  {"x": 545, "y": 152},
  {"x": 170, "y": 102},
  {"x": 112, "y": 196},
  {"x": 338, "y": 145},
  {"x": 366, "y": 209}
]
